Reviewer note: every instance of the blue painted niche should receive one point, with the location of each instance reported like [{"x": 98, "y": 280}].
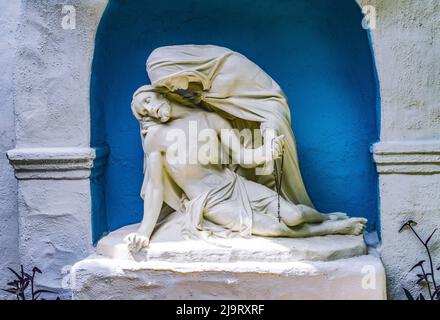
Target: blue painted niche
[{"x": 315, "y": 49}]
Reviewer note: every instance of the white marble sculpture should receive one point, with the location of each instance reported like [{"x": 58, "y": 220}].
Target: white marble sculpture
[{"x": 199, "y": 162}]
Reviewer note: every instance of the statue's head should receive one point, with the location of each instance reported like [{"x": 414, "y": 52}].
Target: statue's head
[{"x": 149, "y": 102}]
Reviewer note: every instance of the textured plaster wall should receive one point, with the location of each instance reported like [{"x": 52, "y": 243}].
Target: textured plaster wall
[
  {"x": 52, "y": 75},
  {"x": 406, "y": 197},
  {"x": 9, "y": 13},
  {"x": 52, "y": 80},
  {"x": 407, "y": 49}
]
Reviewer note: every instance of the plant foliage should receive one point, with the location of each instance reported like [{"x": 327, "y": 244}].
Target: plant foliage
[
  {"x": 427, "y": 274},
  {"x": 23, "y": 286}
]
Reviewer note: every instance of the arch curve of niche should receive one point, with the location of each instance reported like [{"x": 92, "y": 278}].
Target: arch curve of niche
[{"x": 316, "y": 50}]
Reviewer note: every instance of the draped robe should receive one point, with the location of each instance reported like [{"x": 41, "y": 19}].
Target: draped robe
[{"x": 238, "y": 90}]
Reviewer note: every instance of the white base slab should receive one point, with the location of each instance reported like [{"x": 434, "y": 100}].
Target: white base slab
[
  {"x": 97, "y": 277},
  {"x": 170, "y": 246},
  {"x": 330, "y": 267}
]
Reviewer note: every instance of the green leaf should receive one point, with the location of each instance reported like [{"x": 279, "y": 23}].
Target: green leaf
[{"x": 408, "y": 225}]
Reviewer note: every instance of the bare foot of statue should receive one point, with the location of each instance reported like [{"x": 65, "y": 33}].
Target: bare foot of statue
[{"x": 351, "y": 226}]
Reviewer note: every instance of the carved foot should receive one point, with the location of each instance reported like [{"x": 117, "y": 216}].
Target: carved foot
[
  {"x": 352, "y": 226},
  {"x": 136, "y": 242}
]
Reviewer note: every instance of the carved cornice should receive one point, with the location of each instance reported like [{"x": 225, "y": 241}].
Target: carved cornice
[
  {"x": 52, "y": 163},
  {"x": 407, "y": 157}
]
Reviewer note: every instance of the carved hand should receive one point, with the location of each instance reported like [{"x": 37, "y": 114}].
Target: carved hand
[
  {"x": 277, "y": 147},
  {"x": 136, "y": 242}
]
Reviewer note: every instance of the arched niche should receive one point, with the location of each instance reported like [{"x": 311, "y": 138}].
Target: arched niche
[{"x": 315, "y": 49}]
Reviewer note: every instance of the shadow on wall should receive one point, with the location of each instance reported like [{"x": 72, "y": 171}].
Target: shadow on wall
[{"x": 315, "y": 49}]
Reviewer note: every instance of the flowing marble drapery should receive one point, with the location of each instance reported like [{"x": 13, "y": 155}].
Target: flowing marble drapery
[{"x": 240, "y": 91}]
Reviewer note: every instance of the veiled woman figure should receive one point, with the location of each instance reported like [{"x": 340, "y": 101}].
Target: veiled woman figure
[{"x": 228, "y": 83}]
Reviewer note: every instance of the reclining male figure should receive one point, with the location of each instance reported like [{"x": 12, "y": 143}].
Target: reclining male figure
[{"x": 197, "y": 178}]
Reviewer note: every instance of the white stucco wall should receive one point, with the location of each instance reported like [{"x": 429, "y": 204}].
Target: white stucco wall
[
  {"x": 53, "y": 71},
  {"x": 406, "y": 43},
  {"x": 51, "y": 153},
  {"x": 407, "y": 50},
  {"x": 9, "y": 14}
]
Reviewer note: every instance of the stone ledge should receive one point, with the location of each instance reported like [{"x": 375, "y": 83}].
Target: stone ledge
[
  {"x": 53, "y": 163},
  {"x": 407, "y": 157},
  {"x": 97, "y": 278},
  {"x": 170, "y": 246}
]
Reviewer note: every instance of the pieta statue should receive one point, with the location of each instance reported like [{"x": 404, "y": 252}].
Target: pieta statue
[{"x": 219, "y": 149}]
